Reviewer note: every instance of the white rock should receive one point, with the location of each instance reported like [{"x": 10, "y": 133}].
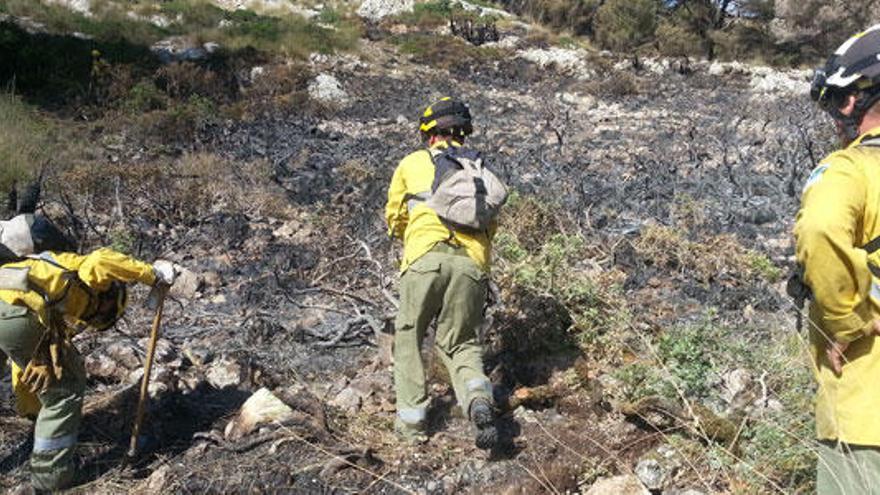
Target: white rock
[
  {"x": 618, "y": 485},
  {"x": 158, "y": 479},
  {"x": 125, "y": 354},
  {"x": 257, "y": 72},
  {"x": 483, "y": 11},
  {"x": 267, "y": 7},
  {"x": 507, "y": 42},
  {"x": 187, "y": 284},
  {"x": 349, "y": 400},
  {"x": 625, "y": 64},
  {"x": 261, "y": 408},
  {"x": 735, "y": 382},
  {"x": 164, "y": 349},
  {"x": 101, "y": 365},
  {"x": 778, "y": 83},
  {"x": 561, "y": 57},
  {"x": 224, "y": 372},
  {"x": 658, "y": 66},
  {"x": 180, "y": 48},
  {"x": 653, "y": 475},
  {"x": 326, "y": 88},
  {"x": 375, "y": 10},
  {"x": 584, "y": 101},
  {"x": 84, "y": 7},
  {"x": 717, "y": 69}
]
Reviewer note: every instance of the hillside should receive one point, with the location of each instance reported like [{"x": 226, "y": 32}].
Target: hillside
[{"x": 641, "y": 329}]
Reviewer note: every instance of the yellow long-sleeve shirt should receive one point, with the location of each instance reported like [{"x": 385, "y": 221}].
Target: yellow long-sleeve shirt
[
  {"x": 97, "y": 270},
  {"x": 419, "y": 226},
  {"x": 840, "y": 213}
]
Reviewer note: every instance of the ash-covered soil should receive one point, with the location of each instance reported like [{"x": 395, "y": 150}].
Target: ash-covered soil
[{"x": 296, "y": 293}]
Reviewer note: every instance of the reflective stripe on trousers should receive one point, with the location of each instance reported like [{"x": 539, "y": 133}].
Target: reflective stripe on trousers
[
  {"x": 479, "y": 385},
  {"x": 51, "y": 444},
  {"x": 414, "y": 415}
]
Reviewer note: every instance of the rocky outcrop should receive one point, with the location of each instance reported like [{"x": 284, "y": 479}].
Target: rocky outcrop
[
  {"x": 375, "y": 10},
  {"x": 327, "y": 89}
]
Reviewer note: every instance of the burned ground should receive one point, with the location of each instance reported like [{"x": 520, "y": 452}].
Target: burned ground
[{"x": 648, "y": 227}]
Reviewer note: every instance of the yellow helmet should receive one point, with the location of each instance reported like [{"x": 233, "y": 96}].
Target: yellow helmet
[{"x": 446, "y": 116}]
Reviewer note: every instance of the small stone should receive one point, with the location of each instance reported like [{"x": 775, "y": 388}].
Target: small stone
[
  {"x": 224, "y": 373},
  {"x": 618, "y": 485},
  {"x": 164, "y": 353},
  {"x": 652, "y": 474},
  {"x": 257, "y": 72},
  {"x": 213, "y": 279},
  {"x": 124, "y": 353},
  {"x": 197, "y": 355},
  {"x": 736, "y": 382},
  {"x": 101, "y": 365},
  {"x": 158, "y": 479},
  {"x": 349, "y": 400},
  {"x": 186, "y": 285}
]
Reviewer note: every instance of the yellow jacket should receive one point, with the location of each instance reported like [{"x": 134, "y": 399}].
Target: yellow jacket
[
  {"x": 418, "y": 226},
  {"x": 97, "y": 270},
  {"x": 840, "y": 213}
]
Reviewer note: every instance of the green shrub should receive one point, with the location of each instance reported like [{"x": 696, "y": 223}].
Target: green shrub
[
  {"x": 625, "y": 24},
  {"x": 24, "y": 141},
  {"x": 144, "y": 97},
  {"x": 576, "y": 16},
  {"x": 674, "y": 40},
  {"x": 685, "y": 351},
  {"x": 428, "y": 14}
]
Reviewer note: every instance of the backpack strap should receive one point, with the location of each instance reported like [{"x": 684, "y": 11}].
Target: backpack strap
[{"x": 69, "y": 277}]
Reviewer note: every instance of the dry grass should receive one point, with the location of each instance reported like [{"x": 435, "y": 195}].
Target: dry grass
[
  {"x": 25, "y": 144},
  {"x": 716, "y": 258}
]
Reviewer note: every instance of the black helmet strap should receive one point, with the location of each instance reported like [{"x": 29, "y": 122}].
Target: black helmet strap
[{"x": 852, "y": 122}]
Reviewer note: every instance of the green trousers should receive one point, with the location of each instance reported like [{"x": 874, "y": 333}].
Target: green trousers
[
  {"x": 447, "y": 285},
  {"x": 57, "y": 426},
  {"x": 845, "y": 469}
]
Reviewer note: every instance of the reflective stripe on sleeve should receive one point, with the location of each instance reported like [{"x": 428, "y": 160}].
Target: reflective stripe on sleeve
[
  {"x": 875, "y": 290},
  {"x": 413, "y": 200}
]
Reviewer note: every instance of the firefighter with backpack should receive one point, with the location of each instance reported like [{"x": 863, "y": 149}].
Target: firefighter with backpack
[
  {"x": 46, "y": 298},
  {"x": 838, "y": 249},
  {"x": 442, "y": 203}
]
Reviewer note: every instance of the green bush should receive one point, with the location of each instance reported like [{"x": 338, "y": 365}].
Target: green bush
[
  {"x": 144, "y": 97},
  {"x": 24, "y": 143},
  {"x": 576, "y": 16},
  {"x": 428, "y": 14},
  {"x": 685, "y": 351},
  {"x": 625, "y": 24},
  {"x": 674, "y": 40}
]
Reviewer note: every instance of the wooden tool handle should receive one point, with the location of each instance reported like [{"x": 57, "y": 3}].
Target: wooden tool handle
[{"x": 145, "y": 381}]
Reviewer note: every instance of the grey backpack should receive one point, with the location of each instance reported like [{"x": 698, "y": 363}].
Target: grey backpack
[{"x": 465, "y": 194}]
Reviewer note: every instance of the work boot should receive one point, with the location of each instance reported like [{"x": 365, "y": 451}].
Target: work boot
[
  {"x": 410, "y": 434},
  {"x": 483, "y": 416}
]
